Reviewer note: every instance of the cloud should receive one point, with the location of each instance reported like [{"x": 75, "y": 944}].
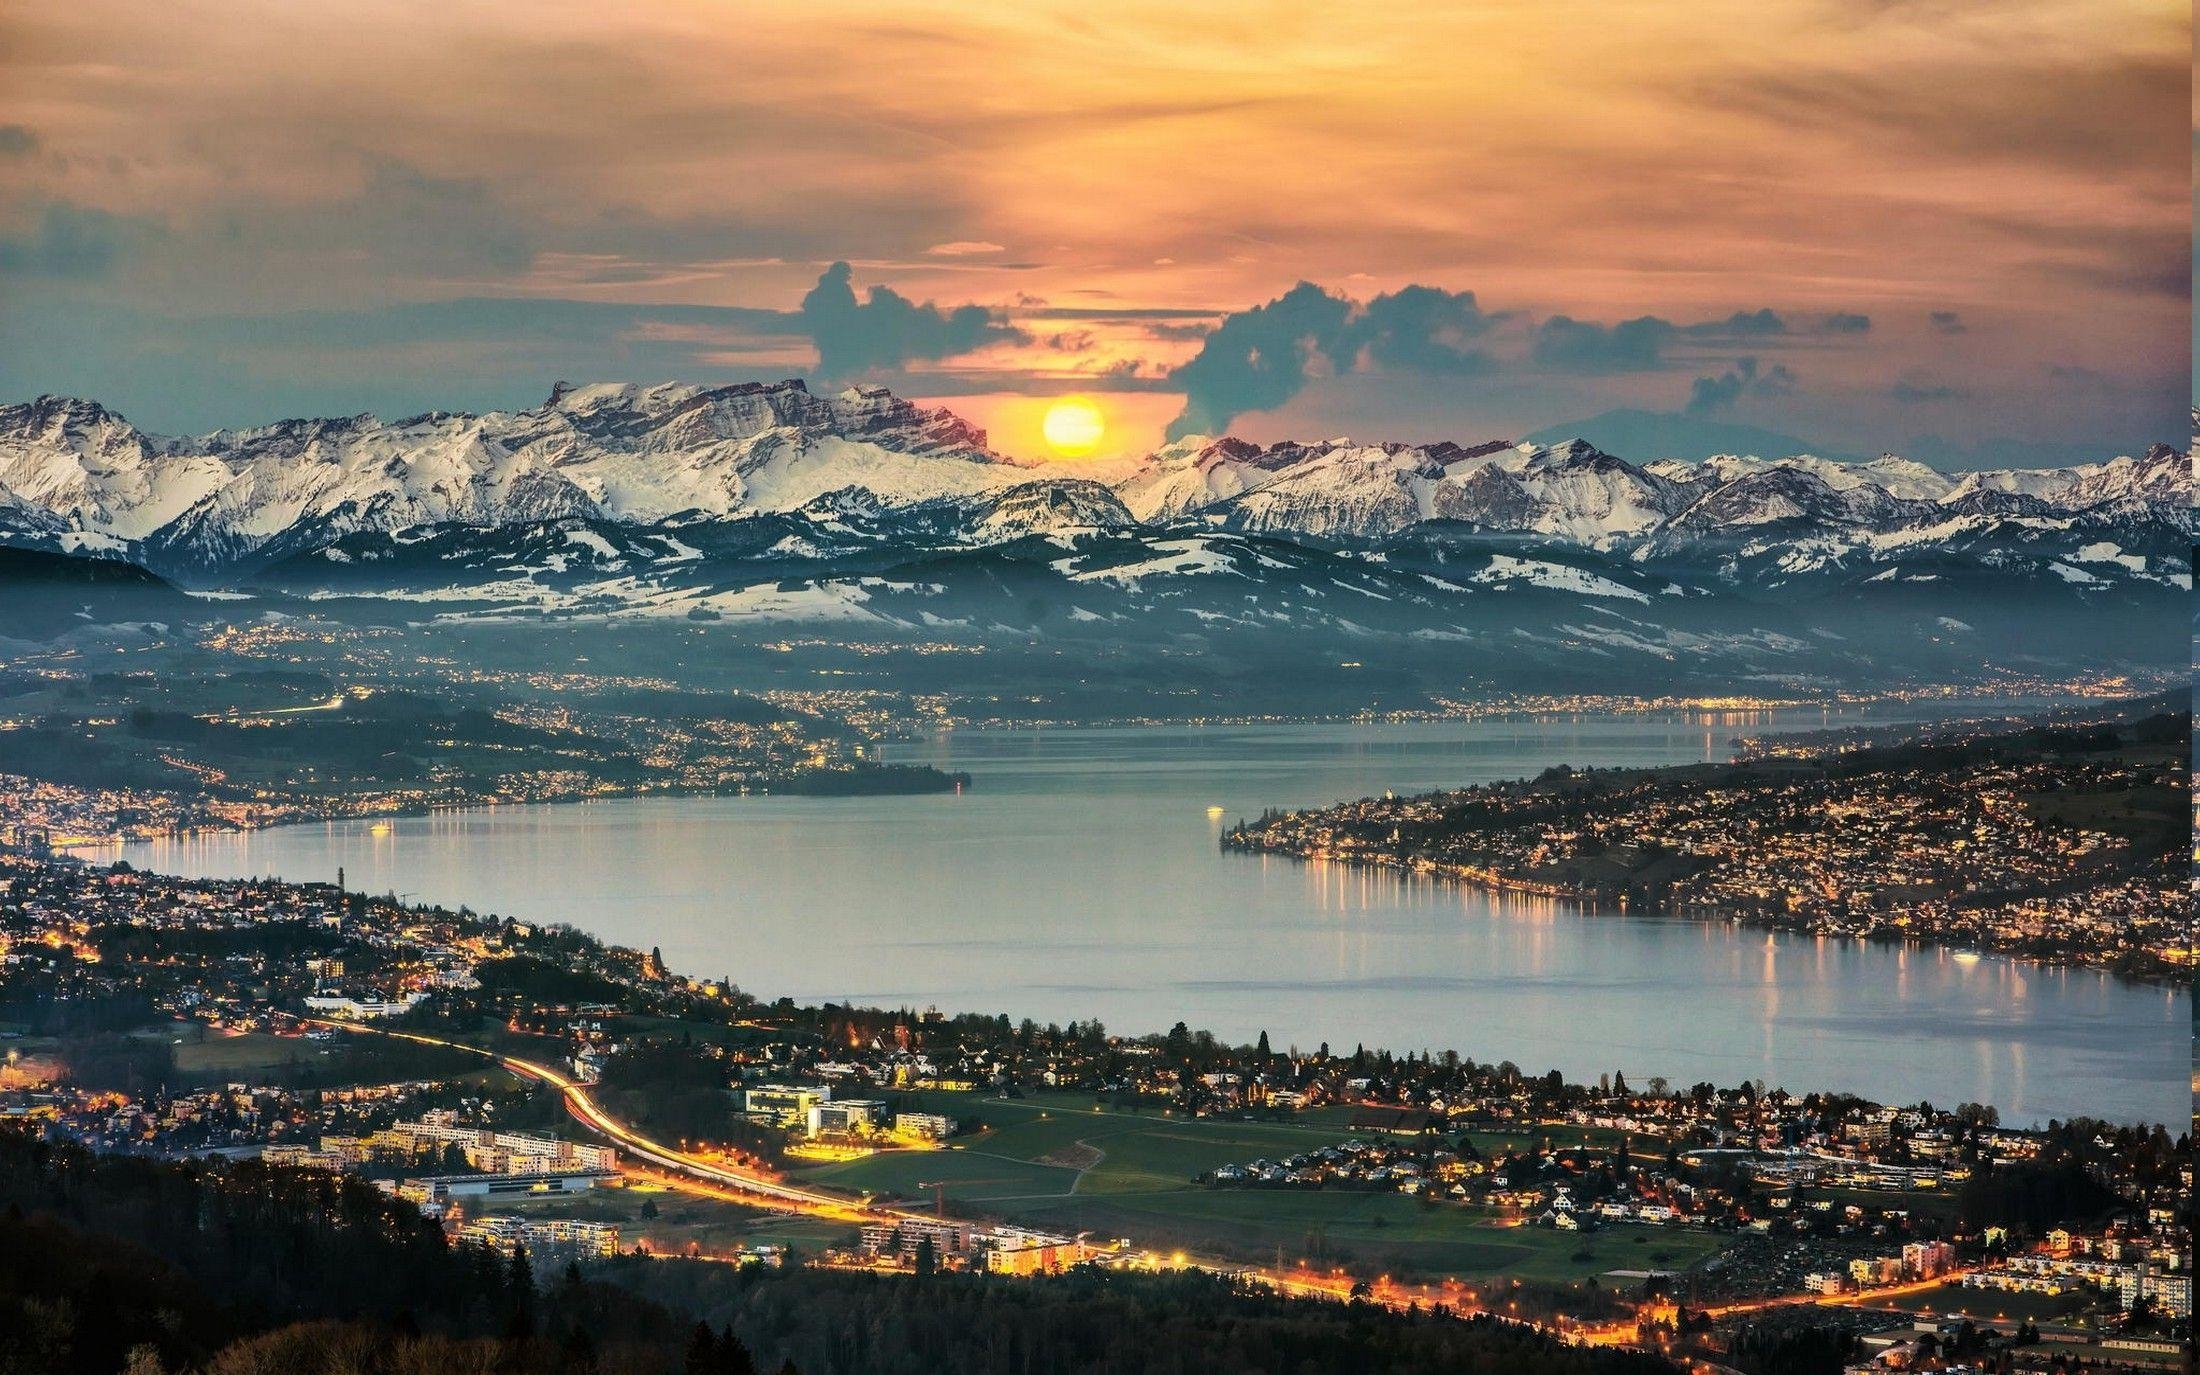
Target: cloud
[
  {"x": 1424, "y": 329},
  {"x": 964, "y": 248},
  {"x": 1911, "y": 392},
  {"x": 414, "y": 219},
  {"x": 1258, "y": 359},
  {"x": 887, "y": 329},
  {"x": 2035, "y": 153},
  {"x": 72, "y": 241},
  {"x": 1949, "y": 322},
  {"x": 2071, "y": 374},
  {"x": 1741, "y": 324},
  {"x": 1639, "y": 345},
  {"x": 1571, "y": 345},
  {"x": 1710, "y": 395},
  {"x": 2118, "y": 109},
  {"x": 17, "y": 140}
]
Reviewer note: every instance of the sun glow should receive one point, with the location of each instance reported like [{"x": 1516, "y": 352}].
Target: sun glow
[{"x": 1074, "y": 427}]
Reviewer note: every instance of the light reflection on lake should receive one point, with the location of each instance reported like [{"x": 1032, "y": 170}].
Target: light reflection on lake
[{"x": 1080, "y": 878}]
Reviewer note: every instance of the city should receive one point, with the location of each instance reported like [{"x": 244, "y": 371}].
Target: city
[
  {"x": 975, "y": 688},
  {"x": 2063, "y": 844},
  {"x": 312, "y": 1028}
]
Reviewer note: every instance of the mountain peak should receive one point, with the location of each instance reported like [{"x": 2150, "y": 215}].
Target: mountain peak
[
  {"x": 47, "y": 409},
  {"x": 648, "y": 454}
]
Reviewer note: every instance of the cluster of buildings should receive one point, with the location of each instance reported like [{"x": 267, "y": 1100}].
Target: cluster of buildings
[
  {"x": 38, "y": 818},
  {"x": 2138, "y": 1266},
  {"x": 546, "y": 1241},
  {"x": 1572, "y": 1189},
  {"x": 464, "y": 1168},
  {"x": 437, "y": 1139},
  {"x": 1739, "y": 1159},
  {"x": 1918, "y": 1260},
  {"x": 1960, "y": 853},
  {"x": 948, "y": 1244},
  {"x": 597, "y": 750},
  {"x": 811, "y": 1112},
  {"x": 290, "y": 947}
]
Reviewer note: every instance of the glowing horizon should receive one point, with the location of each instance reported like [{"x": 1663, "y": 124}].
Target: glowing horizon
[{"x": 1869, "y": 224}]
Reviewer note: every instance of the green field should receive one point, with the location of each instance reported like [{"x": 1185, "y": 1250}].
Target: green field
[
  {"x": 969, "y": 1176},
  {"x": 298, "y": 1062},
  {"x": 1052, "y": 1161},
  {"x": 1940, "y": 1203},
  {"x": 255, "y": 1050},
  {"x": 685, "y": 1221},
  {"x": 1985, "y": 1303}
]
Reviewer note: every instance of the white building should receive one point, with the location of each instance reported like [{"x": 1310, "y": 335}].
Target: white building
[
  {"x": 846, "y": 1117},
  {"x": 356, "y": 1009}
]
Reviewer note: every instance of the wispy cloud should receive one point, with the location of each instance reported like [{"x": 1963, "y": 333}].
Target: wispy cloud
[{"x": 1855, "y": 163}]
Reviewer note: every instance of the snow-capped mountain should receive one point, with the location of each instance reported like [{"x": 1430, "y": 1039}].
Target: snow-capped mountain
[
  {"x": 774, "y": 477},
  {"x": 636, "y": 455}
]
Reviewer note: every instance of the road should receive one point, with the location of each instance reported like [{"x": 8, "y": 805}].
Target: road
[
  {"x": 585, "y": 1109},
  {"x": 719, "y": 1180},
  {"x": 1623, "y": 1334}
]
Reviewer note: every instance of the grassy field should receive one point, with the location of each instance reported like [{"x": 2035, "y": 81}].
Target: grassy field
[
  {"x": 253, "y": 1051},
  {"x": 685, "y": 1223},
  {"x": 1940, "y": 1203},
  {"x": 1388, "y": 1232},
  {"x": 1983, "y": 1303},
  {"x": 299, "y": 1062},
  {"x": 1052, "y": 1161},
  {"x": 968, "y": 1176}
]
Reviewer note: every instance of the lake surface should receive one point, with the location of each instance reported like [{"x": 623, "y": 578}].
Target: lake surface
[{"x": 1079, "y": 877}]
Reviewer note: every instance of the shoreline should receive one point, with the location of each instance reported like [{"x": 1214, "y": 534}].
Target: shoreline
[
  {"x": 444, "y": 910},
  {"x": 1514, "y": 707},
  {"x": 1598, "y": 906},
  {"x": 952, "y": 782},
  {"x": 1873, "y": 1094}
]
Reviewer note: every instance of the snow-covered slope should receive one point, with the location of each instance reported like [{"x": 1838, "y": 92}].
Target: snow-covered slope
[
  {"x": 638, "y": 455},
  {"x": 773, "y": 472}
]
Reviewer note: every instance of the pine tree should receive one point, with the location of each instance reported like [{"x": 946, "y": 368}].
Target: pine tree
[
  {"x": 522, "y": 1280},
  {"x": 733, "y": 1358},
  {"x": 702, "y": 1352}
]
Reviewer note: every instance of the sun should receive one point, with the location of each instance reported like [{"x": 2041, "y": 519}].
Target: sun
[{"x": 1073, "y": 427}]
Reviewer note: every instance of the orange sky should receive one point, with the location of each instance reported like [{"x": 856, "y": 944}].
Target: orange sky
[{"x": 171, "y": 172}]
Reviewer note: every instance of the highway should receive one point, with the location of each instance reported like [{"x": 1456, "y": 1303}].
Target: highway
[
  {"x": 585, "y": 1109},
  {"x": 721, "y": 1181}
]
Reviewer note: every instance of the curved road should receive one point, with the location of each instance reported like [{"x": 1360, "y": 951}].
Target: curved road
[{"x": 584, "y": 1108}]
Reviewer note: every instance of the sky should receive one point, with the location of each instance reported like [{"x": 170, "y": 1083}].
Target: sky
[{"x": 1951, "y": 230}]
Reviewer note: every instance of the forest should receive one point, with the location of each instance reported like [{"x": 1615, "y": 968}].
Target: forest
[{"x": 114, "y": 1264}]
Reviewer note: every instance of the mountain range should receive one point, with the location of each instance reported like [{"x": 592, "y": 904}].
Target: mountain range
[{"x": 768, "y": 501}]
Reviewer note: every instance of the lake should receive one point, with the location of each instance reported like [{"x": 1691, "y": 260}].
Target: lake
[{"x": 1079, "y": 877}]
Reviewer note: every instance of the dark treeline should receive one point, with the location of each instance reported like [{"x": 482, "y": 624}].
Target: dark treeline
[
  {"x": 1095, "y": 1323},
  {"x": 678, "y": 1092},
  {"x": 1773, "y": 1350},
  {"x": 112, "y": 1265}
]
